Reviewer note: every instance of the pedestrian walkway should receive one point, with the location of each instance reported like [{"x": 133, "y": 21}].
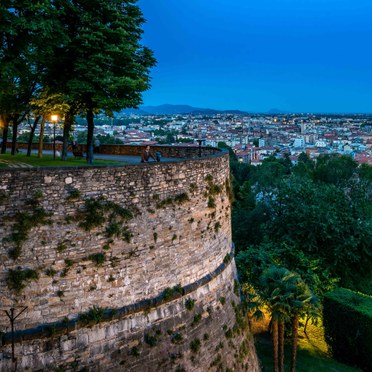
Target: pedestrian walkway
[
  {"x": 14, "y": 164},
  {"x": 128, "y": 159}
]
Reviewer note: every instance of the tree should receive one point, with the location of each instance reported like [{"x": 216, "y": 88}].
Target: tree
[
  {"x": 325, "y": 223},
  {"x": 334, "y": 169},
  {"x": 287, "y": 298},
  {"x": 301, "y": 302},
  {"x": 103, "y": 66},
  {"x": 275, "y": 292},
  {"x": 26, "y": 44}
]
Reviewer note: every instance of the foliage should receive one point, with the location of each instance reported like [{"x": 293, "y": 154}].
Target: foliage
[
  {"x": 177, "y": 338},
  {"x": 181, "y": 198},
  {"x": 313, "y": 218},
  {"x": 195, "y": 345},
  {"x": 25, "y": 221},
  {"x": 98, "y": 258},
  {"x": 287, "y": 297},
  {"x": 174, "y": 292},
  {"x": 97, "y": 211},
  {"x": 73, "y": 194},
  {"x": 117, "y": 70},
  {"x": 93, "y": 316},
  {"x": 197, "y": 319},
  {"x": 347, "y": 318},
  {"x": 189, "y": 304},
  {"x": 150, "y": 339},
  {"x": 18, "y": 278}
]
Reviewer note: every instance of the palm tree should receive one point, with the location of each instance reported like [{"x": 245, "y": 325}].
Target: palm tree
[
  {"x": 301, "y": 302},
  {"x": 275, "y": 294}
]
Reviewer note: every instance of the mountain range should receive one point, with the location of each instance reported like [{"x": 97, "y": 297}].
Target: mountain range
[{"x": 168, "y": 109}]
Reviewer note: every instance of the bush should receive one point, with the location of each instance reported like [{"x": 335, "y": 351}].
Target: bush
[
  {"x": 93, "y": 316},
  {"x": 347, "y": 318},
  {"x": 18, "y": 278}
]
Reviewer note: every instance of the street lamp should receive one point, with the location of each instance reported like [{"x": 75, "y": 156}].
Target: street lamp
[{"x": 54, "y": 120}]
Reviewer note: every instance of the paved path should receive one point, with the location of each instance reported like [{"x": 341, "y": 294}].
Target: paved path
[
  {"x": 129, "y": 159},
  {"x": 13, "y": 164}
]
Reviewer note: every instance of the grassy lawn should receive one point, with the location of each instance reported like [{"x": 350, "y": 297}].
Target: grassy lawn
[
  {"x": 47, "y": 161},
  {"x": 312, "y": 351}
]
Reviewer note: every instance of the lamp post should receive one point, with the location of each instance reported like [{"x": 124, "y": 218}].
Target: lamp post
[
  {"x": 54, "y": 120},
  {"x": 13, "y": 314}
]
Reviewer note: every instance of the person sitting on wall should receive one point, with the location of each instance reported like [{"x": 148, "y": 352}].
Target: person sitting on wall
[
  {"x": 97, "y": 145},
  {"x": 146, "y": 155}
]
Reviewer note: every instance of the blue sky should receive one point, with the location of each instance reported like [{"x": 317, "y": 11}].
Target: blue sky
[{"x": 293, "y": 55}]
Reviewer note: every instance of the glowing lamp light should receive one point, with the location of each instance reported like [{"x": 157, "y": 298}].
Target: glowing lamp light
[{"x": 54, "y": 117}]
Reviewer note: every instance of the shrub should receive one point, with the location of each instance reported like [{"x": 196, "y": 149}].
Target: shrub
[
  {"x": 69, "y": 262},
  {"x": 181, "y": 198},
  {"x": 73, "y": 194},
  {"x": 170, "y": 293},
  {"x": 126, "y": 235},
  {"x": 61, "y": 247},
  {"x": 189, "y": 304},
  {"x": 113, "y": 229},
  {"x": 347, "y": 318},
  {"x": 93, "y": 315},
  {"x": 25, "y": 221},
  {"x": 151, "y": 340},
  {"x": 197, "y": 319},
  {"x": 211, "y": 202},
  {"x": 18, "y": 278},
  {"x": 177, "y": 338},
  {"x": 50, "y": 272},
  {"x": 193, "y": 187},
  {"x": 195, "y": 345},
  {"x": 226, "y": 259},
  {"x": 98, "y": 258},
  {"x": 163, "y": 203}
]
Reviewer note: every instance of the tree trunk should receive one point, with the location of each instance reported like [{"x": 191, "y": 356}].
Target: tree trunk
[
  {"x": 274, "y": 330},
  {"x": 5, "y": 120},
  {"x": 41, "y": 139},
  {"x": 307, "y": 321},
  {"x": 90, "y": 121},
  {"x": 295, "y": 322},
  {"x": 32, "y": 132},
  {"x": 66, "y": 133},
  {"x": 15, "y": 130},
  {"x": 281, "y": 345}
]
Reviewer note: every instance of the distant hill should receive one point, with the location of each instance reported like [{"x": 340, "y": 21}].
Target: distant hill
[
  {"x": 168, "y": 109},
  {"x": 274, "y": 111}
]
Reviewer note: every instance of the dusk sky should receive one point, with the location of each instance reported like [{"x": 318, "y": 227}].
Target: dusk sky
[{"x": 293, "y": 55}]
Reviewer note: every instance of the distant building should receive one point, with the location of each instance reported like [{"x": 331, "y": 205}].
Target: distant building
[{"x": 299, "y": 142}]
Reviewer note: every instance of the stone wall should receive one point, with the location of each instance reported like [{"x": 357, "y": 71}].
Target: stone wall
[{"x": 137, "y": 241}]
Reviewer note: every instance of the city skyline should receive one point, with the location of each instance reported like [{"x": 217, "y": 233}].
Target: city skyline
[{"x": 293, "y": 56}]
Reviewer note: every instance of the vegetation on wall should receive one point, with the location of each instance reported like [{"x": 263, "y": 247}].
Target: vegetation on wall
[
  {"x": 18, "y": 278},
  {"x": 33, "y": 215}
]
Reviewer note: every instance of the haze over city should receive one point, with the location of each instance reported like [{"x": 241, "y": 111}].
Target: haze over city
[{"x": 295, "y": 56}]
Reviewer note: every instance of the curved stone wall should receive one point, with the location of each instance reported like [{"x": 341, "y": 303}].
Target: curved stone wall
[{"x": 144, "y": 237}]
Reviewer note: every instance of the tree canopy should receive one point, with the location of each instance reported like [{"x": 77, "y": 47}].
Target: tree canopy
[
  {"x": 313, "y": 218},
  {"x": 92, "y": 58}
]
